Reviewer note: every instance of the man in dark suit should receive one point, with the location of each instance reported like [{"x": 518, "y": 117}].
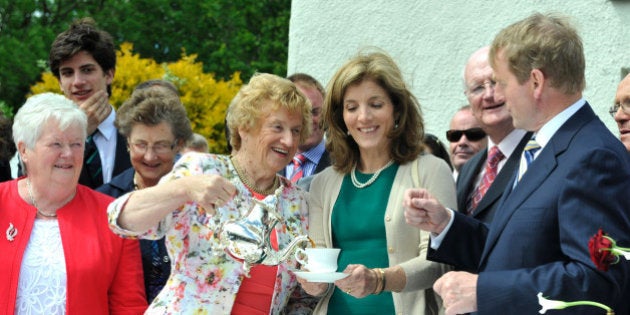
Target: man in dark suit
[
  {"x": 311, "y": 157},
  {"x": 572, "y": 180},
  {"x": 492, "y": 114},
  {"x": 83, "y": 58}
]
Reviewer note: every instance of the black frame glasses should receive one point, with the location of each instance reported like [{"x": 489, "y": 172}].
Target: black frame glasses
[{"x": 472, "y": 134}]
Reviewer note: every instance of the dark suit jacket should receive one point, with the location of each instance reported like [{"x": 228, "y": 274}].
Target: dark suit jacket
[
  {"x": 466, "y": 182},
  {"x": 538, "y": 240},
  {"x": 324, "y": 162},
  {"x": 121, "y": 163}
]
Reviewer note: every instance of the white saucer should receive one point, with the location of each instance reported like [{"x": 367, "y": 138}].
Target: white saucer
[{"x": 328, "y": 277}]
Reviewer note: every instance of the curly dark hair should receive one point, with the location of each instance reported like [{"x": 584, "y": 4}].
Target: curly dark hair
[{"x": 83, "y": 35}]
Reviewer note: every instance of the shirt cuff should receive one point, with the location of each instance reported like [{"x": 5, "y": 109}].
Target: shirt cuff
[{"x": 436, "y": 239}]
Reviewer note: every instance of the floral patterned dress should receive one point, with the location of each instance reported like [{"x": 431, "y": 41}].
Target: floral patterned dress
[{"x": 205, "y": 279}]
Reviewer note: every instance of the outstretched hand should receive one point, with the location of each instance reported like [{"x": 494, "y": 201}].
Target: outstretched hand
[
  {"x": 424, "y": 211},
  {"x": 209, "y": 191}
]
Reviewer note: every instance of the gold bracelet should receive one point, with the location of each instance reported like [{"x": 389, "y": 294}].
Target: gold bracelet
[
  {"x": 383, "y": 278},
  {"x": 379, "y": 281}
]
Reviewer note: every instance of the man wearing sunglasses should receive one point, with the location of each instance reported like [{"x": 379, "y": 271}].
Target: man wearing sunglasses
[
  {"x": 621, "y": 111},
  {"x": 480, "y": 183},
  {"x": 465, "y": 138}
]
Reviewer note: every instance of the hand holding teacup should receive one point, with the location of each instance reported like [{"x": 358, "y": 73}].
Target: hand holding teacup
[{"x": 323, "y": 260}]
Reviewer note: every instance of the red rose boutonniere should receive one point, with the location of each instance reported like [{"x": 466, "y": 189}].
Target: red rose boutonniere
[{"x": 604, "y": 250}]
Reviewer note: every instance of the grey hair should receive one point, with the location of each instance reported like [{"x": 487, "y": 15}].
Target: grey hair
[{"x": 42, "y": 108}]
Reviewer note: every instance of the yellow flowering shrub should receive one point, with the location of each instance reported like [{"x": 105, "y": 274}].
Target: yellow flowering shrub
[{"x": 206, "y": 99}]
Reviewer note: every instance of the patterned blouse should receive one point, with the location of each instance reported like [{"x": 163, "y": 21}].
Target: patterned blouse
[{"x": 205, "y": 279}]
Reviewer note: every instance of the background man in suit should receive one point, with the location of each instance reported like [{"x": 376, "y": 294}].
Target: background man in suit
[
  {"x": 312, "y": 152},
  {"x": 621, "y": 111},
  {"x": 478, "y": 193},
  {"x": 83, "y": 58},
  {"x": 575, "y": 181},
  {"x": 465, "y": 138}
]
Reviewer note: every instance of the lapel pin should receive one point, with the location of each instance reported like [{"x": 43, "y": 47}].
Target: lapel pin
[{"x": 11, "y": 232}]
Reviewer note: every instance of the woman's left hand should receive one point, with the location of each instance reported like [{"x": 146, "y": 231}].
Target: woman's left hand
[{"x": 360, "y": 283}]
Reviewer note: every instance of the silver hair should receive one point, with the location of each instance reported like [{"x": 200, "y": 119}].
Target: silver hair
[{"x": 42, "y": 108}]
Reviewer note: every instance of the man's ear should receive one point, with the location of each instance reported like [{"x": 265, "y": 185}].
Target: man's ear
[{"x": 537, "y": 80}]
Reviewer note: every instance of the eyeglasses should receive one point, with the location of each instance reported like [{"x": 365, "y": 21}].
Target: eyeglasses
[
  {"x": 478, "y": 89},
  {"x": 472, "y": 134},
  {"x": 625, "y": 107},
  {"x": 159, "y": 148}
]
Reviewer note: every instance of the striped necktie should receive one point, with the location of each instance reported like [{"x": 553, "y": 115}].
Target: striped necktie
[
  {"x": 92, "y": 161},
  {"x": 528, "y": 157},
  {"x": 492, "y": 166},
  {"x": 298, "y": 167}
]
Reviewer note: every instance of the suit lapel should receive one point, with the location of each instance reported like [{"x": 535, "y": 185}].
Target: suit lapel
[
  {"x": 466, "y": 179},
  {"x": 538, "y": 172},
  {"x": 504, "y": 179}
]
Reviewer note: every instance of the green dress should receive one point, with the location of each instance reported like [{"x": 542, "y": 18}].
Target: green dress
[{"x": 359, "y": 230}]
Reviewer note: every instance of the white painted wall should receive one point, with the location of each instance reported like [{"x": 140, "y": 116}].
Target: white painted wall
[{"x": 431, "y": 41}]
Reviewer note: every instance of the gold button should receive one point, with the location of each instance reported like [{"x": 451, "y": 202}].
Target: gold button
[
  {"x": 391, "y": 250},
  {"x": 388, "y": 218}
]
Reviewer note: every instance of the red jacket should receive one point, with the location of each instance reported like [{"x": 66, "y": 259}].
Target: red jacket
[{"x": 104, "y": 271}]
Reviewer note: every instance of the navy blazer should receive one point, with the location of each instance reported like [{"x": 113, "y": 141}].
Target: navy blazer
[
  {"x": 467, "y": 178},
  {"x": 538, "y": 240},
  {"x": 121, "y": 163}
]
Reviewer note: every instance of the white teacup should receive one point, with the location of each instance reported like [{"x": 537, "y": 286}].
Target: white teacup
[{"x": 318, "y": 259}]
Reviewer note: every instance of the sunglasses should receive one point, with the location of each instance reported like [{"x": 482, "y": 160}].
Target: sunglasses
[{"x": 472, "y": 134}]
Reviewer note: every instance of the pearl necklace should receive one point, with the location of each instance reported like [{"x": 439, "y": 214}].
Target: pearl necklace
[
  {"x": 250, "y": 185},
  {"x": 40, "y": 212},
  {"x": 372, "y": 179}
]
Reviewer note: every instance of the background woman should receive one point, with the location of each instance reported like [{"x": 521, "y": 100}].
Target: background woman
[
  {"x": 58, "y": 254},
  {"x": 155, "y": 124},
  {"x": 375, "y": 134},
  {"x": 267, "y": 120}
]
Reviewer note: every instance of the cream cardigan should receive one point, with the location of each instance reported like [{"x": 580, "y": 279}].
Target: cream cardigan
[{"x": 406, "y": 245}]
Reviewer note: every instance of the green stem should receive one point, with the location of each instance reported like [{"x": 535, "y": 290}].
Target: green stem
[{"x": 591, "y": 303}]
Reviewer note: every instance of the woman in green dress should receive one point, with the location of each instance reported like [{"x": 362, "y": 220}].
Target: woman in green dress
[{"x": 374, "y": 135}]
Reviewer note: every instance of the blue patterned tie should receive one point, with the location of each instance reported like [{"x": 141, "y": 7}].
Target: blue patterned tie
[{"x": 528, "y": 157}]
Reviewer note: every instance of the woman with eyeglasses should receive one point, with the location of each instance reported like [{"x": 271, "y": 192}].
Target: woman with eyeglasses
[
  {"x": 156, "y": 127},
  {"x": 205, "y": 194}
]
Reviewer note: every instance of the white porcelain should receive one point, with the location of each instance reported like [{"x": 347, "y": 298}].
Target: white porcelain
[{"x": 326, "y": 277}]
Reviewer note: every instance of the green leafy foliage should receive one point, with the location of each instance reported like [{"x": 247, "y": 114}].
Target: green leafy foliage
[{"x": 227, "y": 37}]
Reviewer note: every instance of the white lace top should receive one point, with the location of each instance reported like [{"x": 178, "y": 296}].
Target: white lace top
[{"x": 42, "y": 284}]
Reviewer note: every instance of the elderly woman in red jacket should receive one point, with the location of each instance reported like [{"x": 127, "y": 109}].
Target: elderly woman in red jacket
[{"x": 58, "y": 253}]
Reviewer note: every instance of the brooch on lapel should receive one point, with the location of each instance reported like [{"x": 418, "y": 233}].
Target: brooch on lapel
[{"x": 11, "y": 232}]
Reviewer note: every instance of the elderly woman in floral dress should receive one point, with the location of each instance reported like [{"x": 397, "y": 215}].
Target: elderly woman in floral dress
[{"x": 267, "y": 120}]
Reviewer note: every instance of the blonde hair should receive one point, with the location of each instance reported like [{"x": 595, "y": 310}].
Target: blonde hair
[{"x": 246, "y": 108}]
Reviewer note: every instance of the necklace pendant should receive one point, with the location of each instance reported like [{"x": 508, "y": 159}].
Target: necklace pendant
[{"x": 11, "y": 233}]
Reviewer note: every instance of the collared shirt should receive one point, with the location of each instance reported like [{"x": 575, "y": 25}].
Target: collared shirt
[
  {"x": 549, "y": 129},
  {"x": 542, "y": 137},
  {"x": 105, "y": 140},
  {"x": 313, "y": 156},
  {"x": 507, "y": 146}
]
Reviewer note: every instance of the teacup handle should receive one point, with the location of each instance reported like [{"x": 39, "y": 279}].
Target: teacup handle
[{"x": 301, "y": 253}]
